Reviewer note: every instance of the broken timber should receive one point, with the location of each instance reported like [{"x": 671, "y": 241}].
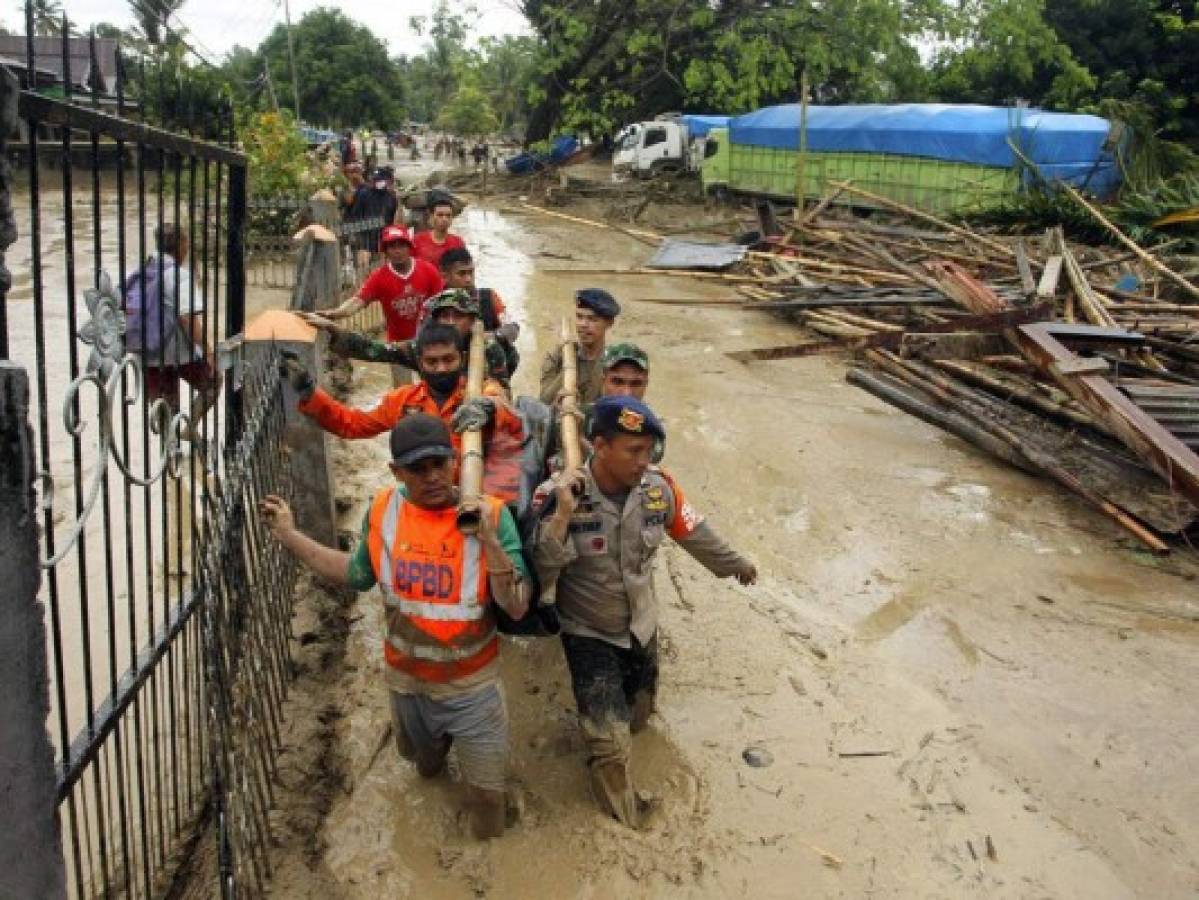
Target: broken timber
[
  {"x": 993, "y": 322},
  {"x": 1176, "y": 463}
]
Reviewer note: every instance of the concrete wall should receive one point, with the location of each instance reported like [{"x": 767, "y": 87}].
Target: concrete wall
[
  {"x": 312, "y": 499},
  {"x": 30, "y": 849}
]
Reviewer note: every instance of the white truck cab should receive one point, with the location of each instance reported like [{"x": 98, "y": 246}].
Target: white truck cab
[{"x": 647, "y": 148}]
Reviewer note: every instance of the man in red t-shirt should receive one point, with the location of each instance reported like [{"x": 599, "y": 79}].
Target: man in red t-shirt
[
  {"x": 401, "y": 285},
  {"x": 429, "y": 245}
]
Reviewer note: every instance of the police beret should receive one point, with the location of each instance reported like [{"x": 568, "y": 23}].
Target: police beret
[
  {"x": 625, "y": 415},
  {"x": 598, "y": 301}
]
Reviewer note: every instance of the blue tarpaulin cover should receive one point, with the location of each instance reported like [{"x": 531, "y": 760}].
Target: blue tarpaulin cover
[
  {"x": 700, "y": 125},
  {"x": 1063, "y": 145}
]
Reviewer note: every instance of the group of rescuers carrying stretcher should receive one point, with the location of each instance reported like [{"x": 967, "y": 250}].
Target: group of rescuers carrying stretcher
[{"x": 557, "y": 552}]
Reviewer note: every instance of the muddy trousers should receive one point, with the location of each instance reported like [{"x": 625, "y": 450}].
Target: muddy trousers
[
  {"x": 614, "y": 690},
  {"x": 477, "y": 723}
]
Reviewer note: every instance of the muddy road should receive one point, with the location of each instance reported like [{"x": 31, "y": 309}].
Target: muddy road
[{"x": 966, "y": 683}]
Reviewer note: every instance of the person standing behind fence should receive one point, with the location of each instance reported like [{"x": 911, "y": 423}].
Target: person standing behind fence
[
  {"x": 356, "y": 180},
  {"x": 167, "y": 330},
  {"x": 374, "y": 200},
  {"x": 402, "y": 285},
  {"x": 440, "y": 588}
]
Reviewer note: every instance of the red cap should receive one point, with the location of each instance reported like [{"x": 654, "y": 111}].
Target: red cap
[{"x": 392, "y": 234}]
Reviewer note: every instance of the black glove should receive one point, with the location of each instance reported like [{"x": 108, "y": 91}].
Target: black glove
[
  {"x": 473, "y": 414},
  {"x": 296, "y": 374}
]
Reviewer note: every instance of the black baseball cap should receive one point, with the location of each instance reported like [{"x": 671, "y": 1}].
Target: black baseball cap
[{"x": 420, "y": 436}]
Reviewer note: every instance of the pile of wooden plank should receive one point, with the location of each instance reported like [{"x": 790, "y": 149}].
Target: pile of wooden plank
[{"x": 1077, "y": 363}]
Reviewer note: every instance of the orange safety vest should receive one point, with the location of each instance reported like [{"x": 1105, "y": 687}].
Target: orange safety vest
[{"x": 435, "y": 589}]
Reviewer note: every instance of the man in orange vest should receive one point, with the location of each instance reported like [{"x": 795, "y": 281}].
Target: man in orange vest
[
  {"x": 439, "y": 588},
  {"x": 441, "y": 393}
]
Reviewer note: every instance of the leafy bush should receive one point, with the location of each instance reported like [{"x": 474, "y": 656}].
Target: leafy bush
[{"x": 279, "y": 162}]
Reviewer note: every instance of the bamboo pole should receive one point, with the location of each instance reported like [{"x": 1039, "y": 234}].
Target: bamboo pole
[
  {"x": 1152, "y": 261},
  {"x": 801, "y": 160},
  {"x": 826, "y": 201},
  {"x": 928, "y": 217},
  {"x": 572, "y": 451},
  {"x": 1007, "y": 389},
  {"x": 753, "y": 254},
  {"x": 470, "y": 479}
]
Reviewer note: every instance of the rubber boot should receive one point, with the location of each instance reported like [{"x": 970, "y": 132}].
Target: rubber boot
[{"x": 608, "y": 745}]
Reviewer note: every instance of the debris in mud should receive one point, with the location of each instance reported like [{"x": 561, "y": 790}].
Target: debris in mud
[
  {"x": 1084, "y": 372},
  {"x": 758, "y": 757},
  {"x": 1075, "y": 363}
]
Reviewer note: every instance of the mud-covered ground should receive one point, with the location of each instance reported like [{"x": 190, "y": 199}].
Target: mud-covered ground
[{"x": 968, "y": 683}]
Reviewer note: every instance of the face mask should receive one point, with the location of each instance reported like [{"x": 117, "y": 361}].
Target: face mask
[{"x": 442, "y": 382}]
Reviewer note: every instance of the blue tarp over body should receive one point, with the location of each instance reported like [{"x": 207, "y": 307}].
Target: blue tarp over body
[
  {"x": 700, "y": 125},
  {"x": 1063, "y": 146}
]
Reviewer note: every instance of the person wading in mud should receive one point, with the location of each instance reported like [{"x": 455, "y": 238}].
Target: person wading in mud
[
  {"x": 402, "y": 285},
  {"x": 458, "y": 271},
  {"x": 597, "y": 533},
  {"x": 595, "y": 312},
  {"x": 441, "y": 392},
  {"x": 430, "y": 245},
  {"x": 625, "y": 370},
  {"x": 441, "y": 648}
]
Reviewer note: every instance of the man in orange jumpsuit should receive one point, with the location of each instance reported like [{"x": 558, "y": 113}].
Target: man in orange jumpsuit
[{"x": 440, "y": 392}]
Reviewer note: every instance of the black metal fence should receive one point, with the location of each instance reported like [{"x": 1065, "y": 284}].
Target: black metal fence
[
  {"x": 275, "y": 260},
  {"x": 168, "y": 611}
]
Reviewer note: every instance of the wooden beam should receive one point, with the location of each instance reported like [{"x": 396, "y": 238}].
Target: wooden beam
[{"x": 1176, "y": 463}]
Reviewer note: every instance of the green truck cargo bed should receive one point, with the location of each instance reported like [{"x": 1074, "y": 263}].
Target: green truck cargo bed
[{"x": 929, "y": 184}]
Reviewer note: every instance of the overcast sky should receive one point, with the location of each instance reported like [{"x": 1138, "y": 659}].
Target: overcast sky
[{"x": 216, "y": 25}]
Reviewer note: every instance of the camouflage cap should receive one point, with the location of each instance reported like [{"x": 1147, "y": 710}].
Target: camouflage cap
[
  {"x": 454, "y": 298},
  {"x": 618, "y": 353}
]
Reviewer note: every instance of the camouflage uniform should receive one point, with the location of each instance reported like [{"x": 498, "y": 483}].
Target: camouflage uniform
[{"x": 500, "y": 357}]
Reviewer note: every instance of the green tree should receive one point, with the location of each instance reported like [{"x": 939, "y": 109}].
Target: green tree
[
  {"x": 853, "y": 50},
  {"x": 446, "y": 55},
  {"x": 422, "y": 85},
  {"x": 152, "y": 21},
  {"x": 506, "y": 68},
  {"x": 611, "y": 61},
  {"x": 468, "y": 113},
  {"x": 1008, "y": 51},
  {"x": 278, "y": 161},
  {"x": 1142, "y": 51},
  {"x": 47, "y": 17},
  {"x": 346, "y": 77}
]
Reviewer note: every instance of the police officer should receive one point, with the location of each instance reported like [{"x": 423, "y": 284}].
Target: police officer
[
  {"x": 593, "y": 550},
  {"x": 595, "y": 312}
]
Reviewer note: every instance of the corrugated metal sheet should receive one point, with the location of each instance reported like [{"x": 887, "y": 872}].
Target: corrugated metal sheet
[{"x": 676, "y": 253}]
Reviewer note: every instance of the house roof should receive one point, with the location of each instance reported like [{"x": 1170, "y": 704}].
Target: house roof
[{"x": 47, "y": 56}]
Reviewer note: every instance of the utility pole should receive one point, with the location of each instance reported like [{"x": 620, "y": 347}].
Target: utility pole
[
  {"x": 270, "y": 86},
  {"x": 801, "y": 159},
  {"x": 291, "y": 52}
]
